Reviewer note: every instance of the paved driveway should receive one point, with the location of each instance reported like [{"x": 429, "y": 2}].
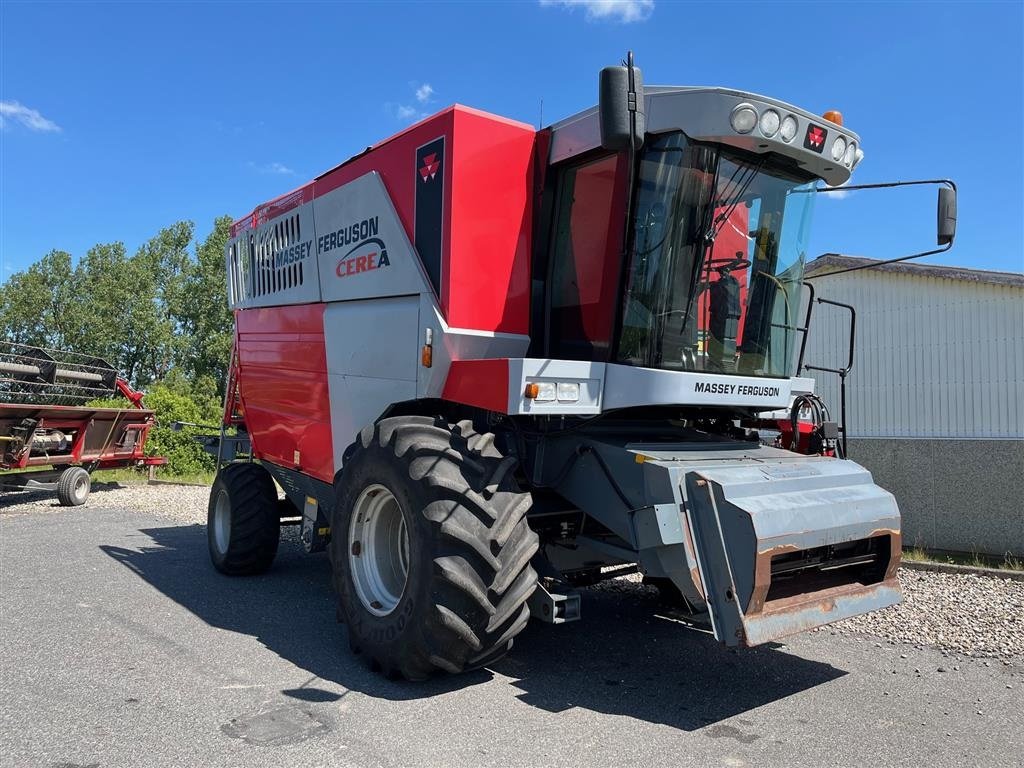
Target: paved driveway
[{"x": 120, "y": 646}]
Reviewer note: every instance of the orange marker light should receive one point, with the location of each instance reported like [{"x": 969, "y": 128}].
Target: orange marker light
[
  {"x": 834, "y": 116},
  {"x": 532, "y": 390},
  {"x": 427, "y": 356}
]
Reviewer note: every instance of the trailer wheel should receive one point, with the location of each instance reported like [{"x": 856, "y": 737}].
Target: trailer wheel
[
  {"x": 430, "y": 548},
  {"x": 73, "y": 487},
  {"x": 243, "y": 522}
]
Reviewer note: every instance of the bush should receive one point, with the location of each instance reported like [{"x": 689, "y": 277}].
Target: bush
[{"x": 175, "y": 400}]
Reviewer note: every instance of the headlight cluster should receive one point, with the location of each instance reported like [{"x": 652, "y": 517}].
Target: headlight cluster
[
  {"x": 770, "y": 123},
  {"x": 549, "y": 391}
]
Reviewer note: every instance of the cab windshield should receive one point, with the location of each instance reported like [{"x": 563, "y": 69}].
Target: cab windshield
[{"x": 718, "y": 255}]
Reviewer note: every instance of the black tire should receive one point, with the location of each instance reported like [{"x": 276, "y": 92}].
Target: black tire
[
  {"x": 244, "y": 541},
  {"x": 73, "y": 487},
  {"x": 469, "y": 547}
]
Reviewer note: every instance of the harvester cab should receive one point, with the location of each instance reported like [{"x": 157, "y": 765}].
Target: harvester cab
[{"x": 480, "y": 352}]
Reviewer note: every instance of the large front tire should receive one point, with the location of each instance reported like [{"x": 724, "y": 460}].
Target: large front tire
[
  {"x": 430, "y": 548},
  {"x": 243, "y": 524}
]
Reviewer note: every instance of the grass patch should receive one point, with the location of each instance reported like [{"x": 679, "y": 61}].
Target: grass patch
[
  {"x": 129, "y": 476},
  {"x": 1007, "y": 562}
]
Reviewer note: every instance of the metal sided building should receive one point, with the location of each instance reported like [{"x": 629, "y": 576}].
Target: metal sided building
[{"x": 935, "y": 399}]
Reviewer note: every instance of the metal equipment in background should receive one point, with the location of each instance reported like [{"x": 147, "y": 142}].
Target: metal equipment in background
[
  {"x": 489, "y": 364},
  {"x": 51, "y": 438}
]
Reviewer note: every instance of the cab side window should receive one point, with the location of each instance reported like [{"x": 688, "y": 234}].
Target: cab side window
[{"x": 585, "y": 260}]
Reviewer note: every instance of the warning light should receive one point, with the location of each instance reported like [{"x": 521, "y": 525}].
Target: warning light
[
  {"x": 532, "y": 390},
  {"x": 834, "y": 116}
]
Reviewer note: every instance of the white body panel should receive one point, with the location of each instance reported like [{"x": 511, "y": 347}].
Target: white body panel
[{"x": 372, "y": 360}]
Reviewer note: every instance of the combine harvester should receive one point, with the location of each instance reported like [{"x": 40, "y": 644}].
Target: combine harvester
[
  {"x": 50, "y": 438},
  {"x": 489, "y": 364}
]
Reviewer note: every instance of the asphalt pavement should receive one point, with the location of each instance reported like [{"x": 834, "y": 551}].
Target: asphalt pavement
[{"x": 121, "y": 646}]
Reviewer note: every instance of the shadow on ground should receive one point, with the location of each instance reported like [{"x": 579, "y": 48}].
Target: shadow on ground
[{"x": 623, "y": 658}]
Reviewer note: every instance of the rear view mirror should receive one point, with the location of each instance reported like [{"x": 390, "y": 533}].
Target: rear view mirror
[
  {"x": 947, "y": 215},
  {"x": 620, "y": 107}
]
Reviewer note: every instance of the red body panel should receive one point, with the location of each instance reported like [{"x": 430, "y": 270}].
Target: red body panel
[
  {"x": 486, "y": 276},
  {"x": 480, "y": 383},
  {"x": 282, "y": 382},
  {"x": 488, "y": 209}
]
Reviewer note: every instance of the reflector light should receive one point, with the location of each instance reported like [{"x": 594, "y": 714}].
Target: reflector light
[
  {"x": 769, "y": 123},
  {"x": 838, "y": 148},
  {"x": 788, "y": 129},
  {"x": 744, "y": 118},
  {"x": 834, "y": 116}
]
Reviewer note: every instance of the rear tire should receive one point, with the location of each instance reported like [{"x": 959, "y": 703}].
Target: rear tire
[
  {"x": 73, "y": 487},
  {"x": 430, "y": 548},
  {"x": 243, "y": 522}
]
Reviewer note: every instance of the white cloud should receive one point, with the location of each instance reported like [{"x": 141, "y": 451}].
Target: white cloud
[
  {"x": 30, "y": 118},
  {"x": 625, "y": 11},
  {"x": 279, "y": 169},
  {"x": 424, "y": 95},
  {"x": 838, "y": 195},
  {"x": 424, "y": 92}
]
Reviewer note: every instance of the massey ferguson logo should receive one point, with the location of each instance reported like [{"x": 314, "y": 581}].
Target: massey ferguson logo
[
  {"x": 431, "y": 165},
  {"x": 815, "y": 138},
  {"x": 365, "y": 250}
]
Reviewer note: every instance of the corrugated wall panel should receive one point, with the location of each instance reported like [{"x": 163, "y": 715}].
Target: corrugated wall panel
[{"x": 935, "y": 357}]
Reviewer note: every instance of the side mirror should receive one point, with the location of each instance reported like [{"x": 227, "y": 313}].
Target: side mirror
[
  {"x": 620, "y": 106},
  {"x": 947, "y": 215}
]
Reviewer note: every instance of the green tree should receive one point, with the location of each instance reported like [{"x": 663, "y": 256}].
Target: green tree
[
  {"x": 37, "y": 306},
  {"x": 202, "y": 310}
]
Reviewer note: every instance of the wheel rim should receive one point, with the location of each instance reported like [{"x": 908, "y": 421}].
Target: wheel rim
[
  {"x": 81, "y": 487},
  {"x": 378, "y": 550},
  {"x": 222, "y": 522}
]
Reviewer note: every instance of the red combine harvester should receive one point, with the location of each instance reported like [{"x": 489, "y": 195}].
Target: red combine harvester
[
  {"x": 50, "y": 438},
  {"x": 489, "y": 364}
]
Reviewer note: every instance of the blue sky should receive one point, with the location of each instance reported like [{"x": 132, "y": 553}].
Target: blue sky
[{"x": 119, "y": 119}]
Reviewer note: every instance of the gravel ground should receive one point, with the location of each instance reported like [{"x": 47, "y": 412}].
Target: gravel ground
[{"x": 965, "y": 614}]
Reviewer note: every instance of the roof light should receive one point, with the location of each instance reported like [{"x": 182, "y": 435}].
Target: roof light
[
  {"x": 788, "y": 129},
  {"x": 769, "y": 123},
  {"x": 744, "y": 118},
  {"x": 838, "y": 148},
  {"x": 851, "y": 153},
  {"x": 834, "y": 116}
]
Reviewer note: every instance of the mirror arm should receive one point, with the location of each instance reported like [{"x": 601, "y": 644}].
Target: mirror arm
[
  {"x": 850, "y": 187},
  {"x": 943, "y": 249},
  {"x": 947, "y": 182}
]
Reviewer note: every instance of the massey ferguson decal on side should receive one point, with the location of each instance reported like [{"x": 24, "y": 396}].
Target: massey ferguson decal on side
[
  {"x": 293, "y": 253},
  {"x": 367, "y": 252}
]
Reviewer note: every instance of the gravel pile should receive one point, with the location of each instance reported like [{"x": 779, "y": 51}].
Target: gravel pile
[
  {"x": 964, "y": 613},
  {"x": 179, "y": 502},
  {"x": 968, "y": 614}
]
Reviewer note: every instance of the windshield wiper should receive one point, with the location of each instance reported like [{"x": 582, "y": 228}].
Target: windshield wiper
[{"x": 750, "y": 172}]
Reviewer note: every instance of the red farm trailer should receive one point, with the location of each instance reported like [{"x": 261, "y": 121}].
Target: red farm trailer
[
  {"x": 50, "y": 437},
  {"x": 489, "y": 363}
]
